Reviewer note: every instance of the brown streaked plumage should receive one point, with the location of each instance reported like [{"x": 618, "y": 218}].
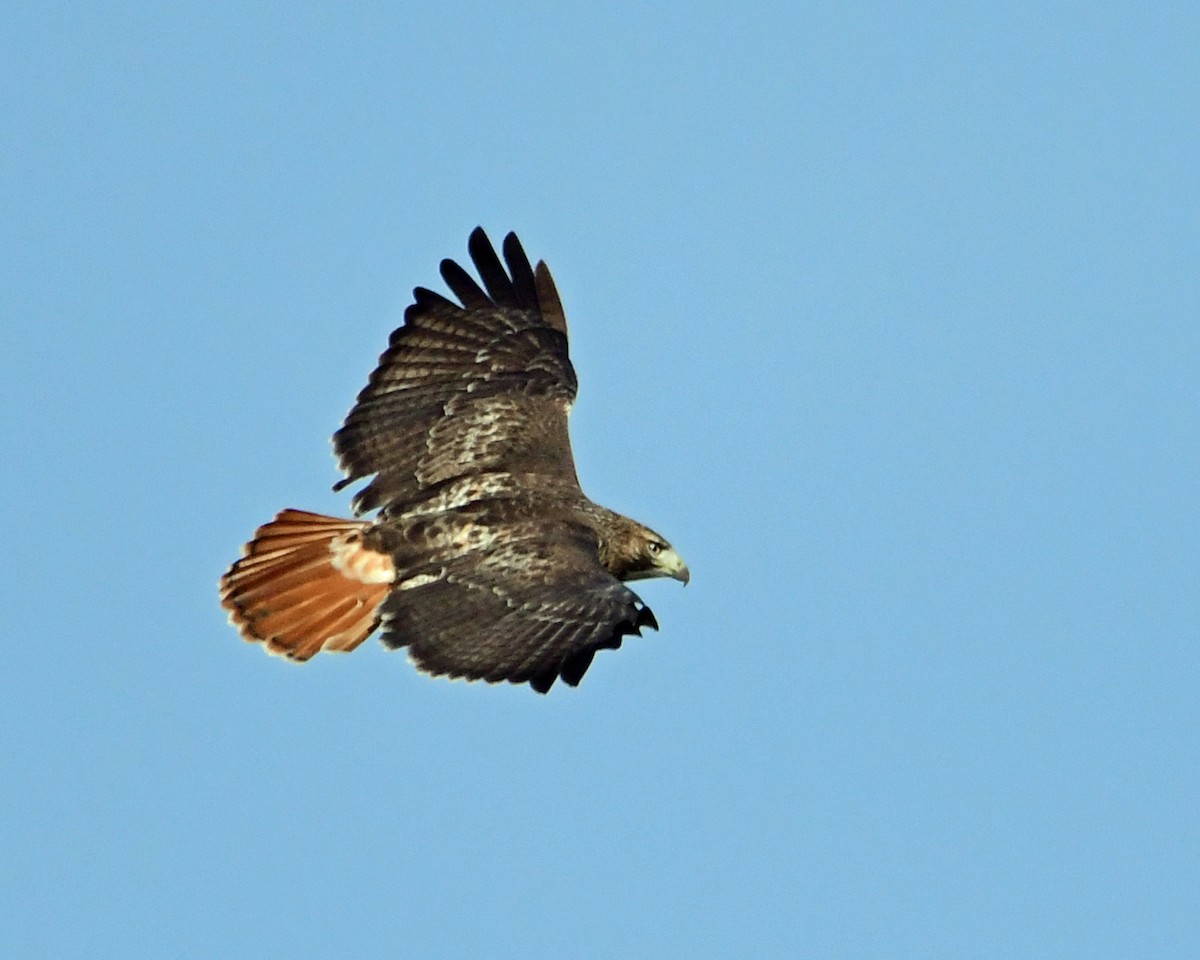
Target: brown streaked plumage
[{"x": 486, "y": 560}]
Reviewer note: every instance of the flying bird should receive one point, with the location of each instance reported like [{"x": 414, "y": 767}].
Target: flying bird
[{"x": 485, "y": 559}]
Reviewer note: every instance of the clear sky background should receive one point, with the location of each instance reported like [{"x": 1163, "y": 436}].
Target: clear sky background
[{"x": 886, "y": 314}]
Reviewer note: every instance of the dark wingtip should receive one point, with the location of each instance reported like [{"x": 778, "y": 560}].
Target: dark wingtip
[
  {"x": 523, "y": 281},
  {"x": 576, "y": 666},
  {"x": 514, "y": 252},
  {"x": 425, "y": 298},
  {"x": 645, "y": 618},
  {"x": 544, "y": 681},
  {"x": 496, "y": 279},
  {"x": 479, "y": 243}
]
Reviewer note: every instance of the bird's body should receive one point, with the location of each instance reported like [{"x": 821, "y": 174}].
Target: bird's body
[{"x": 486, "y": 559}]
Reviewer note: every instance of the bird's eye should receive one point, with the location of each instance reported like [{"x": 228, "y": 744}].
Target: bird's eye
[{"x": 654, "y": 547}]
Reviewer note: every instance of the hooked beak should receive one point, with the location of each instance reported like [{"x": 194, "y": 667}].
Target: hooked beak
[{"x": 672, "y": 565}]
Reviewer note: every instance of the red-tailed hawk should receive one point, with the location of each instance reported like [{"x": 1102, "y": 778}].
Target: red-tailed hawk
[{"x": 485, "y": 560}]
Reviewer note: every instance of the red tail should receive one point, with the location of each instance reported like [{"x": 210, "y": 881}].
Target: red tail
[{"x": 306, "y": 583}]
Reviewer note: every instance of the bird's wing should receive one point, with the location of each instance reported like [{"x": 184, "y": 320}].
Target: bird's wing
[
  {"x": 463, "y": 389},
  {"x": 526, "y": 602}
]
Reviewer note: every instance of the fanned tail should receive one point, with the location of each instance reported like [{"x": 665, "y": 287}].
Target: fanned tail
[{"x": 306, "y": 583}]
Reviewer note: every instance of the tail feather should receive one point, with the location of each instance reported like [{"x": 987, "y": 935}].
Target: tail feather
[
  {"x": 283, "y": 577},
  {"x": 306, "y": 583},
  {"x": 342, "y": 627}
]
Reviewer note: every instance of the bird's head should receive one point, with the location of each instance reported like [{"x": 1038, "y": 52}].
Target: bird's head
[
  {"x": 649, "y": 555},
  {"x": 663, "y": 561}
]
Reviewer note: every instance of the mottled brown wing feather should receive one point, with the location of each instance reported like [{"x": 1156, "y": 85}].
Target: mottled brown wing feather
[
  {"x": 461, "y": 390},
  {"x": 524, "y": 609}
]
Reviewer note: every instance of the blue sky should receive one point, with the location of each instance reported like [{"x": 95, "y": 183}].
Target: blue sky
[{"x": 885, "y": 314}]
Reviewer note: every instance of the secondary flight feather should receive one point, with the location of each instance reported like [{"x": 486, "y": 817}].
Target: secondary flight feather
[{"x": 485, "y": 559}]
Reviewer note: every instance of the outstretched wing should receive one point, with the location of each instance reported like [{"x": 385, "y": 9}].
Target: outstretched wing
[
  {"x": 527, "y": 605},
  {"x": 484, "y": 386}
]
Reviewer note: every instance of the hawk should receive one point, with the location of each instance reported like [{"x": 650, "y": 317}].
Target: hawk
[{"x": 485, "y": 559}]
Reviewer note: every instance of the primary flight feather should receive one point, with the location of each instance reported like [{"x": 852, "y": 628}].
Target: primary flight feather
[{"x": 486, "y": 560}]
